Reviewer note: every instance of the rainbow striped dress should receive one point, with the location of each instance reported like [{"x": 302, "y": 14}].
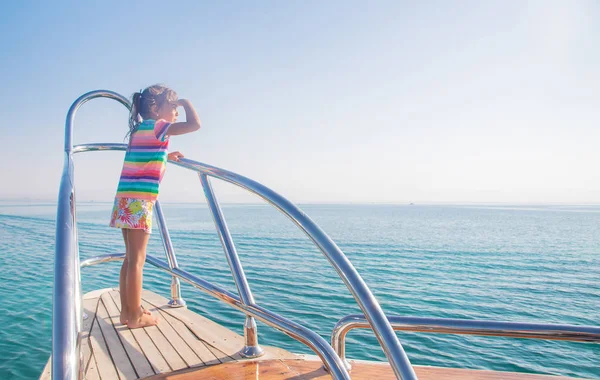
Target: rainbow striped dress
[{"x": 143, "y": 169}]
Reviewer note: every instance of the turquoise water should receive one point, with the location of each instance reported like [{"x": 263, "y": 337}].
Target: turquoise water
[{"x": 530, "y": 264}]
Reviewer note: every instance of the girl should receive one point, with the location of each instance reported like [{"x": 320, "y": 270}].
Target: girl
[{"x": 151, "y": 122}]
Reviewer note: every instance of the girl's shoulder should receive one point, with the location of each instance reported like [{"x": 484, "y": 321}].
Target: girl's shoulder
[
  {"x": 148, "y": 122},
  {"x": 146, "y": 125},
  {"x": 151, "y": 123},
  {"x": 150, "y": 127}
]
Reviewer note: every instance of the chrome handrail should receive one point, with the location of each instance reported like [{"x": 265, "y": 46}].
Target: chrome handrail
[
  {"x": 64, "y": 350},
  {"x": 545, "y": 331},
  {"x": 66, "y": 305}
]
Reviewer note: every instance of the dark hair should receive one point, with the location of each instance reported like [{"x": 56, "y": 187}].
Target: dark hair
[{"x": 142, "y": 102}]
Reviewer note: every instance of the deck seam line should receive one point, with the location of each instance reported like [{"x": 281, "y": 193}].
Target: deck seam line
[
  {"x": 208, "y": 346},
  {"x": 134, "y": 338},
  {"x": 211, "y": 348},
  {"x": 164, "y": 314},
  {"x": 87, "y": 365},
  {"x": 106, "y": 341},
  {"x": 157, "y": 348},
  {"x": 168, "y": 341},
  {"x": 119, "y": 335}
]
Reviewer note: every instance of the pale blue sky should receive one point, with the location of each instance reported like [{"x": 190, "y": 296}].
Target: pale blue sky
[{"x": 323, "y": 101}]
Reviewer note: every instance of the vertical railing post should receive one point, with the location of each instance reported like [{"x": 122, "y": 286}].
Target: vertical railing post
[
  {"x": 176, "y": 299},
  {"x": 79, "y": 313},
  {"x": 67, "y": 311},
  {"x": 251, "y": 348}
]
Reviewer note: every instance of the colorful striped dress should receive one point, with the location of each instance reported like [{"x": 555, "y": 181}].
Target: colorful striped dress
[{"x": 143, "y": 169}]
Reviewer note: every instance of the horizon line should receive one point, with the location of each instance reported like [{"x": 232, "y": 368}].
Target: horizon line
[{"x": 383, "y": 203}]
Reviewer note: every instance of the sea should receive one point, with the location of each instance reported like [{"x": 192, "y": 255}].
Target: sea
[{"x": 527, "y": 263}]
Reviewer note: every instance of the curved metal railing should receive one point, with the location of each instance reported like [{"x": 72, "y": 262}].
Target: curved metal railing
[
  {"x": 66, "y": 302},
  {"x": 67, "y": 293},
  {"x": 547, "y": 331}
]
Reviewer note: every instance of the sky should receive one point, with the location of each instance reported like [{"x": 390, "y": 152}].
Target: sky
[{"x": 322, "y": 101}]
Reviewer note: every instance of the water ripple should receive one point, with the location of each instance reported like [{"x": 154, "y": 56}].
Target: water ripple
[{"x": 450, "y": 262}]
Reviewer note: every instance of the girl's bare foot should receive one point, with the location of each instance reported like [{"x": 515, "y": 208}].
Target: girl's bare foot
[
  {"x": 123, "y": 315},
  {"x": 144, "y": 320}
]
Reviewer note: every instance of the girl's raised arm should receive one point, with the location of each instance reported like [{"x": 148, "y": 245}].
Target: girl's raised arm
[{"x": 192, "y": 122}]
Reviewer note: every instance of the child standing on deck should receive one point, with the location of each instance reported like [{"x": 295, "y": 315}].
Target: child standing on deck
[{"x": 152, "y": 121}]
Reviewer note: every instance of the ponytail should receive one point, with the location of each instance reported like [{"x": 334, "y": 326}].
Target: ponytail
[{"x": 134, "y": 115}]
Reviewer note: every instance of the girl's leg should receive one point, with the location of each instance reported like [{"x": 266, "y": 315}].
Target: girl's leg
[
  {"x": 123, "y": 280},
  {"x": 137, "y": 240}
]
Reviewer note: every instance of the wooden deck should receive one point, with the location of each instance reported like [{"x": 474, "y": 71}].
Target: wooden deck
[
  {"x": 187, "y": 346},
  {"x": 181, "y": 340}
]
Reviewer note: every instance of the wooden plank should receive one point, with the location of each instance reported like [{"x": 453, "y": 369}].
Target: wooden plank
[
  {"x": 96, "y": 293},
  {"x": 157, "y": 361},
  {"x": 116, "y": 349},
  {"x": 140, "y": 363},
  {"x": 106, "y": 367},
  {"x": 166, "y": 349},
  {"x": 116, "y": 296},
  {"x": 89, "y": 308},
  {"x": 187, "y": 354},
  {"x": 46, "y": 372},
  {"x": 201, "y": 350},
  {"x": 92, "y": 370},
  {"x": 211, "y": 332},
  {"x": 221, "y": 356},
  {"x": 155, "y": 358}
]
